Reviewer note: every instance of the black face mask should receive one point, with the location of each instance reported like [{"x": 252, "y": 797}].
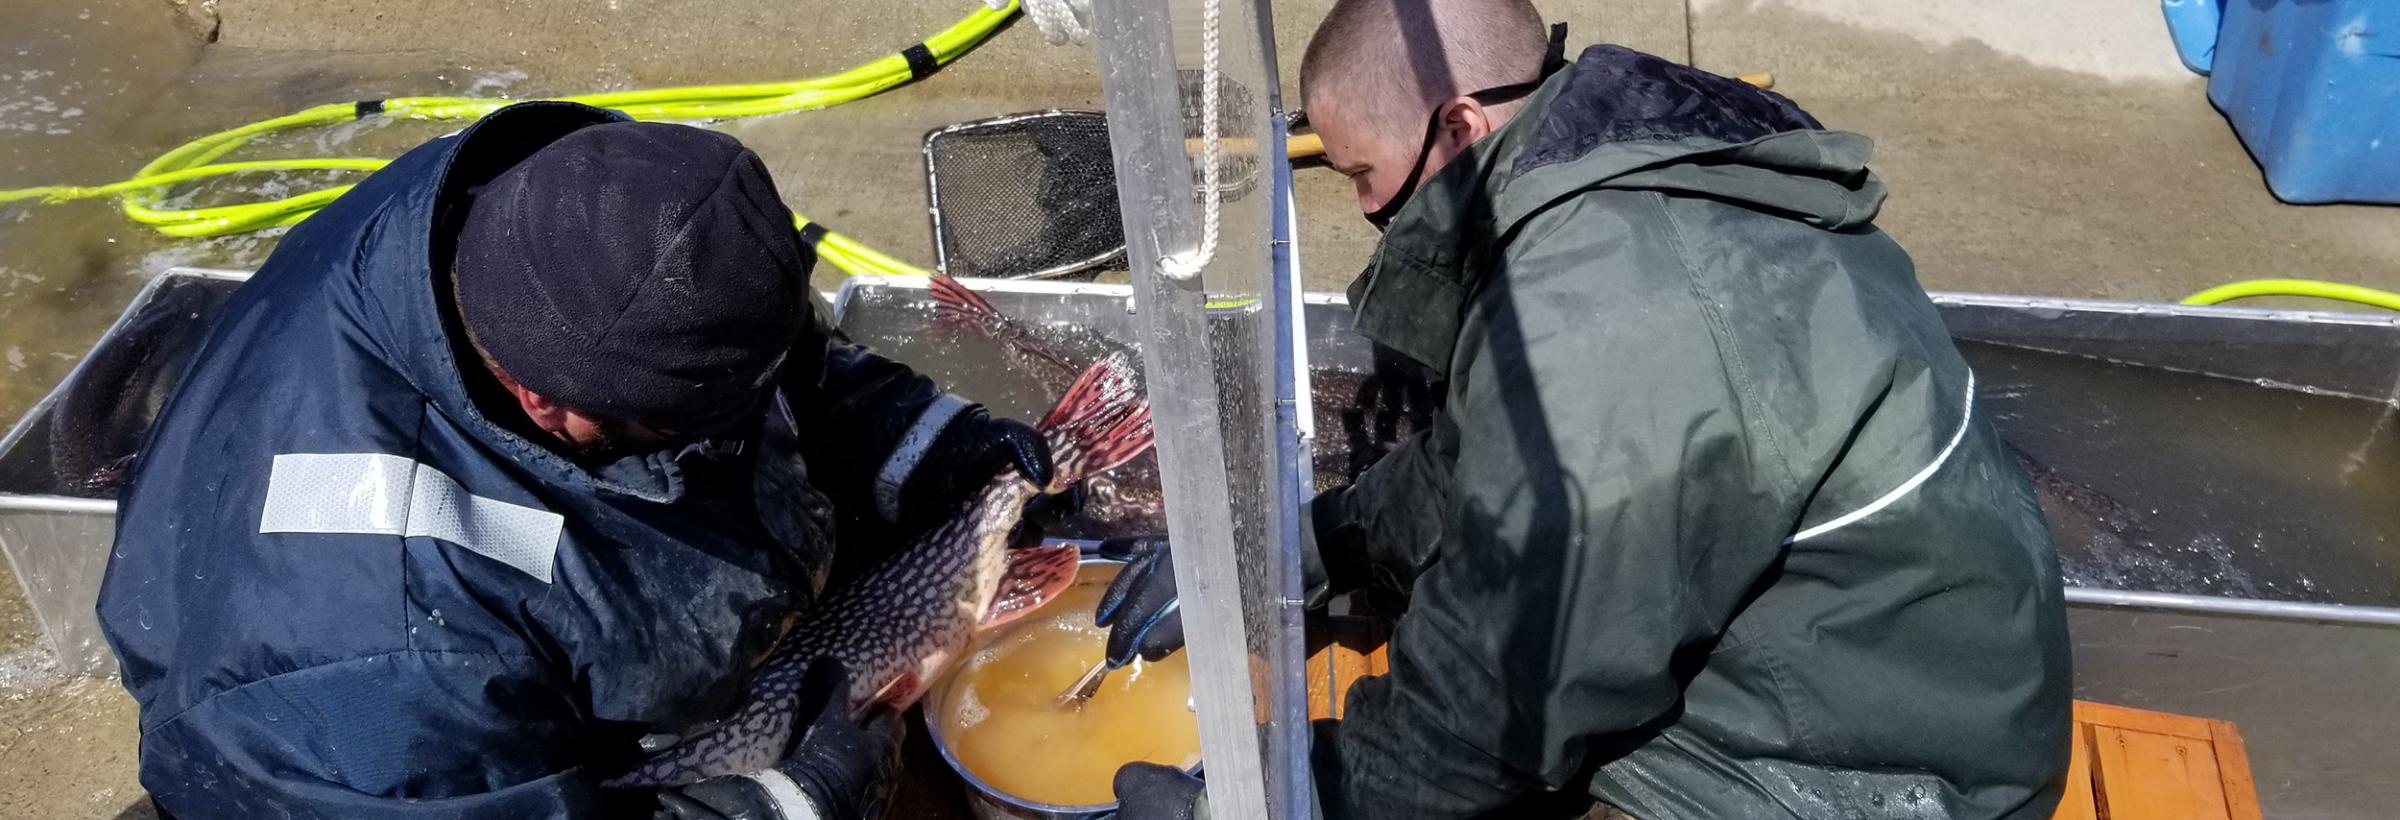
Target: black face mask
[{"x": 1381, "y": 218}]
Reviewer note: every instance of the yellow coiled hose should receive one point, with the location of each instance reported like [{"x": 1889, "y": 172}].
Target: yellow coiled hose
[
  {"x": 140, "y": 197},
  {"x": 2297, "y": 287}
]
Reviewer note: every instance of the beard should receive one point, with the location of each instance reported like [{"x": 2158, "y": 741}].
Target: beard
[{"x": 609, "y": 444}]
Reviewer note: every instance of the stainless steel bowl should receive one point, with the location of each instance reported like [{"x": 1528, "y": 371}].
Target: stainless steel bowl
[{"x": 990, "y": 803}]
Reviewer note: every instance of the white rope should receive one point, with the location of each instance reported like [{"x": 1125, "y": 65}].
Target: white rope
[
  {"x": 1184, "y": 266},
  {"x": 1061, "y": 21}
]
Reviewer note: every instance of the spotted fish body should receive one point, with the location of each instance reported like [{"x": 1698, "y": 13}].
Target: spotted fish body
[
  {"x": 901, "y": 625},
  {"x": 1359, "y": 416}
]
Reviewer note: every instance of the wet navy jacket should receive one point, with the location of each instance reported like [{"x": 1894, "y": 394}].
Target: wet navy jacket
[{"x": 340, "y": 591}]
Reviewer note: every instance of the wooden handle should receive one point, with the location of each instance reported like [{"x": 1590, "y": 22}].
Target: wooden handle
[
  {"x": 1303, "y": 146},
  {"x": 1296, "y": 146}
]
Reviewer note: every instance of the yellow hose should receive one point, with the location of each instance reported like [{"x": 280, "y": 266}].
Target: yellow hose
[
  {"x": 2297, "y": 287},
  {"x": 141, "y": 197},
  {"x": 856, "y": 259}
]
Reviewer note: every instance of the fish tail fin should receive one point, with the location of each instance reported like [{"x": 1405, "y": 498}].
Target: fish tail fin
[
  {"x": 954, "y": 302},
  {"x": 1103, "y": 421}
]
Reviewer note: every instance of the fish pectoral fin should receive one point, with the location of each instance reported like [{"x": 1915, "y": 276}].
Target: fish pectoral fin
[
  {"x": 901, "y": 693},
  {"x": 1035, "y": 576}
]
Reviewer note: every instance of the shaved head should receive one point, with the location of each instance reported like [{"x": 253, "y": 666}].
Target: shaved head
[
  {"x": 1389, "y": 62},
  {"x": 1380, "y": 73}
]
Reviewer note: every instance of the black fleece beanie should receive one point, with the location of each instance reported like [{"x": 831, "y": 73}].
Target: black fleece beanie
[{"x": 635, "y": 271}]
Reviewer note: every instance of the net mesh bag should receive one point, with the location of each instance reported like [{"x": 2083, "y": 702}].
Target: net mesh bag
[
  {"x": 1239, "y": 162},
  {"x": 1028, "y": 196}
]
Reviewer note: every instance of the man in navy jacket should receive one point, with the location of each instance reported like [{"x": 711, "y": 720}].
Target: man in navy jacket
[{"x": 518, "y": 453}]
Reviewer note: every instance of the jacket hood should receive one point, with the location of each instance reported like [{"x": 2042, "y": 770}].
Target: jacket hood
[
  {"x": 1627, "y": 120},
  {"x": 401, "y": 300},
  {"x": 1614, "y": 119}
]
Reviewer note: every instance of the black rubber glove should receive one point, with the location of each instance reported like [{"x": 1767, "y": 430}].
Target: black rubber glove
[
  {"x": 843, "y": 768},
  {"x": 717, "y": 798},
  {"x": 1148, "y": 791},
  {"x": 1045, "y": 512},
  {"x": 963, "y": 457},
  {"x": 847, "y": 766},
  {"x": 1140, "y": 608}
]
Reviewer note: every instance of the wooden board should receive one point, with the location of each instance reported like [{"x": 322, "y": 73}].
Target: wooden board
[
  {"x": 1342, "y": 650},
  {"x": 2125, "y": 764},
  {"x": 2233, "y": 764},
  {"x": 2143, "y": 765},
  {"x": 2137, "y": 775},
  {"x": 2080, "y": 801}
]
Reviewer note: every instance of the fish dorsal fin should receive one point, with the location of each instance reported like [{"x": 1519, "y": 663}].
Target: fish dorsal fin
[
  {"x": 953, "y": 302},
  {"x": 1035, "y": 576}
]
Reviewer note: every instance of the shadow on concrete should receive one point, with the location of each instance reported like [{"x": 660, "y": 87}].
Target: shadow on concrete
[{"x": 139, "y": 810}]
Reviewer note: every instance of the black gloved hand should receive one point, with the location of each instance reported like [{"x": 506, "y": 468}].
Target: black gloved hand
[
  {"x": 1140, "y": 608},
  {"x": 962, "y": 458},
  {"x": 717, "y": 798},
  {"x": 847, "y": 766},
  {"x": 1045, "y": 512},
  {"x": 1148, "y": 791},
  {"x": 843, "y": 768}
]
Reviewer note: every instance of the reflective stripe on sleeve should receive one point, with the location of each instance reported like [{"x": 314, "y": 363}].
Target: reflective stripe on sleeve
[
  {"x": 380, "y": 494},
  {"x": 1967, "y": 414},
  {"x": 911, "y": 450}
]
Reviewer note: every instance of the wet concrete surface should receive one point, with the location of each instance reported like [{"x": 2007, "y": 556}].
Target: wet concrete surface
[
  {"x": 2010, "y": 177},
  {"x": 67, "y": 743},
  {"x": 2008, "y": 174},
  {"x": 70, "y": 752}
]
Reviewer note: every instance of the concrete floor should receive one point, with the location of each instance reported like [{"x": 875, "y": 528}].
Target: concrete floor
[
  {"x": 2032, "y": 146},
  {"x": 2008, "y": 175}
]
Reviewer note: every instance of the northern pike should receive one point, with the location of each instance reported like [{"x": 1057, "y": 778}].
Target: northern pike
[
  {"x": 1359, "y": 416},
  {"x": 1129, "y": 501},
  {"x": 899, "y": 626}
]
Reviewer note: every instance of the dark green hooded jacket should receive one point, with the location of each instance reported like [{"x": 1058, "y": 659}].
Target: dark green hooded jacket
[{"x": 1708, "y": 523}]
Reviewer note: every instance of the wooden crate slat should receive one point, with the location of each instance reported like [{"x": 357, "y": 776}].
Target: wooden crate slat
[
  {"x": 2147, "y": 776},
  {"x": 1342, "y": 650},
  {"x": 2079, "y": 802},
  {"x": 2233, "y": 763},
  {"x": 2141, "y": 720},
  {"x": 1321, "y": 692},
  {"x": 2124, "y": 763}
]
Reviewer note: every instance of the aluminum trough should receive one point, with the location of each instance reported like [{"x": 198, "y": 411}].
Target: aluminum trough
[
  {"x": 2224, "y": 486},
  {"x": 56, "y": 521},
  {"x": 2221, "y": 482}
]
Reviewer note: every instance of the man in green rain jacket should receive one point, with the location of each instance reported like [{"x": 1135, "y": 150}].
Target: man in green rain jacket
[{"x": 1707, "y": 523}]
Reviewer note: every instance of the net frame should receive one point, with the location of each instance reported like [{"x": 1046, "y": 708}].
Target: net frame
[{"x": 953, "y": 253}]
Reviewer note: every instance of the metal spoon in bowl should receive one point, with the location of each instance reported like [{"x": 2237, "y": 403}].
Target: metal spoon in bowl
[{"x": 1085, "y": 687}]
